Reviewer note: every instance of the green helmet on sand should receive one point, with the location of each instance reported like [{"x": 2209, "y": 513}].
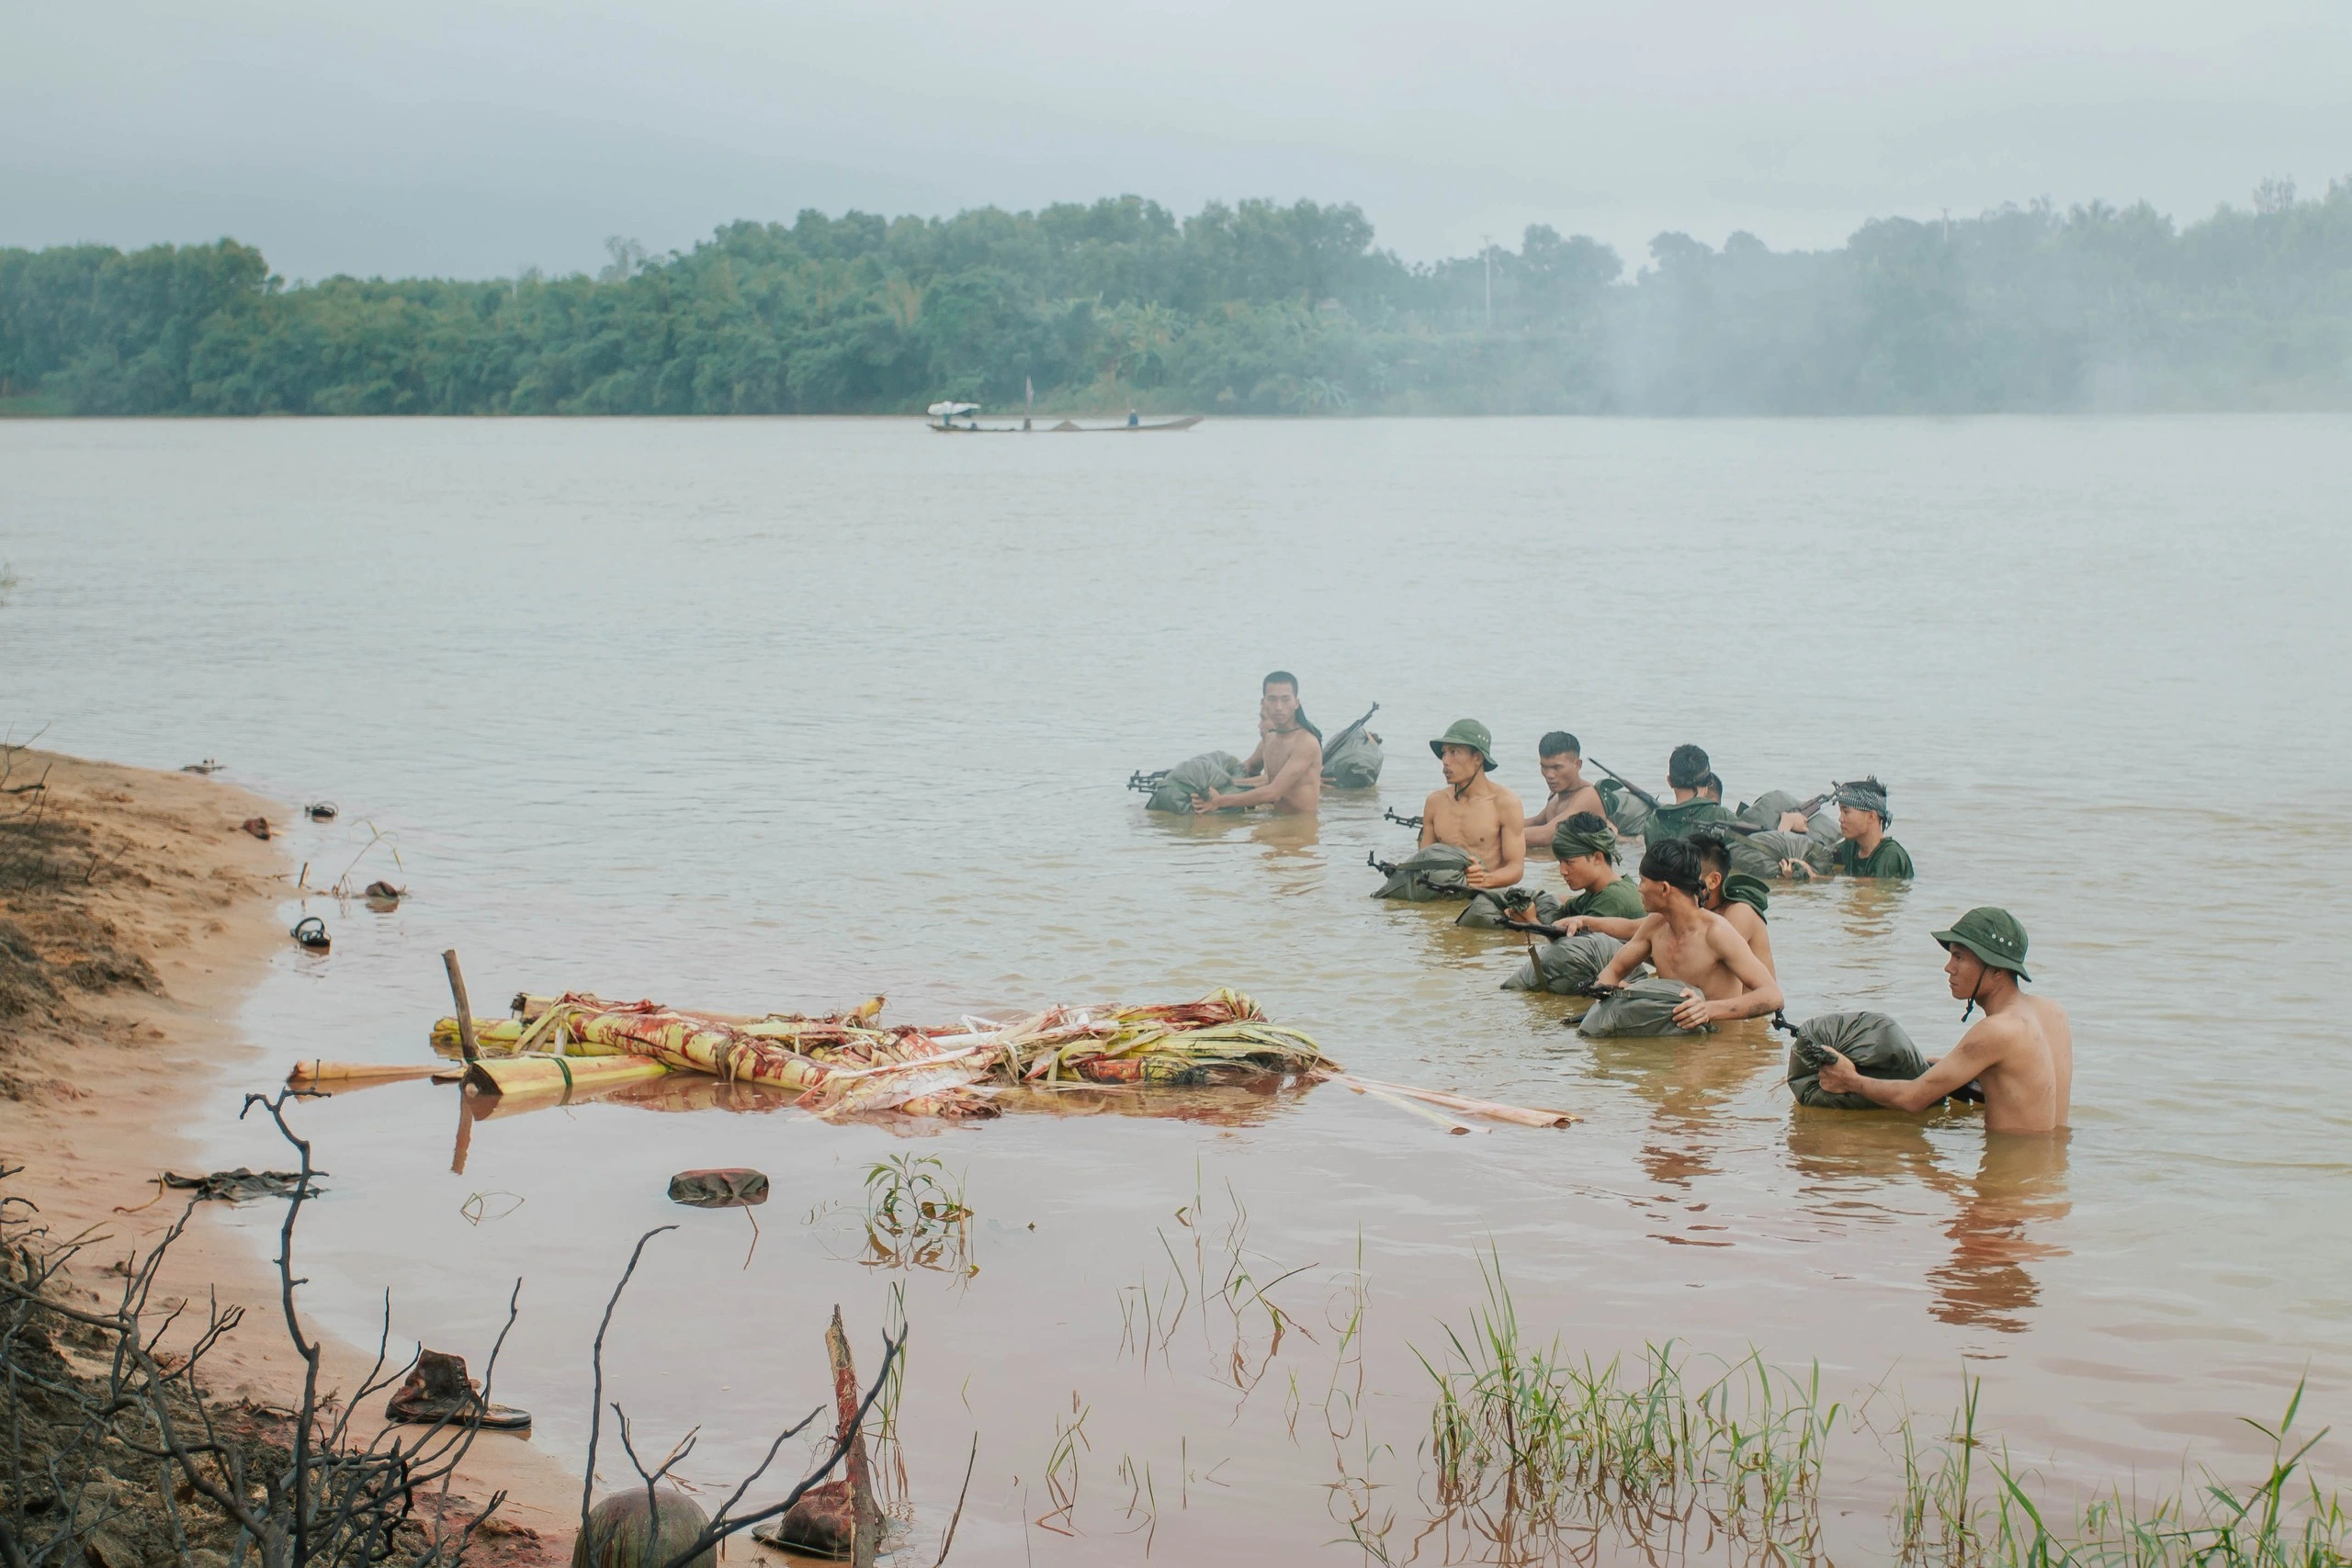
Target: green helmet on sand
[
  {"x": 1467, "y": 733},
  {"x": 1993, "y": 935}
]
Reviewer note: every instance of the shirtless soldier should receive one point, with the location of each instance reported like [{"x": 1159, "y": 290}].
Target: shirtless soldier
[
  {"x": 1473, "y": 812},
  {"x": 2021, "y": 1054},
  {"x": 1686, "y": 942},
  {"x": 1289, "y": 754},
  {"x": 1737, "y": 897},
  {"x": 1561, "y": 756}
]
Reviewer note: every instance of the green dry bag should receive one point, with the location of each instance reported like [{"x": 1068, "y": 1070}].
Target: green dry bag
[
  {"x": 1426, "y": 875},
  {"x": 1641, "y": 1009},
  {"x": 1566, "y": 967},
  {"x": 1874, "y": 1043},
  {"x": 1353, "y": 761},
  {"x": 1195, "y": 775}
]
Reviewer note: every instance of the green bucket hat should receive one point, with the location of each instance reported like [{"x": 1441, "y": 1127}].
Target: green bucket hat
[
  {"x": 1467, "y": 733},
  {"x": 1993, "y": 935}
]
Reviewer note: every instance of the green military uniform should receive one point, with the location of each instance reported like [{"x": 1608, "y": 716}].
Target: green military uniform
[
  {"x": 1674, "y": 820},
  {"x": 1621, "y": 900},
  {"x": 1890, "y": 860}
]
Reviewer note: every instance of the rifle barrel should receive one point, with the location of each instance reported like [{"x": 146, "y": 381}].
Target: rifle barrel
[{"x": 1645, "y": 797}]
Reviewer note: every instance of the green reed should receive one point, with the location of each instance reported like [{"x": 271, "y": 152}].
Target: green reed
[{"x": 1539, "y": 1453}]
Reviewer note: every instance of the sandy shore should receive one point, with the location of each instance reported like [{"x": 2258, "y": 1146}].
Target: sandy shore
[{"x": 133, "y": 923}]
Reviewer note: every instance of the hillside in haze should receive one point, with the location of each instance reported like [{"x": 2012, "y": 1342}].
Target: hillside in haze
[{"x": 1257, "y": 308}]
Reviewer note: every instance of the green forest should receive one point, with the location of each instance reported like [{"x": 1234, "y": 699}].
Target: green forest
[{"x": 1254, "y": 308}]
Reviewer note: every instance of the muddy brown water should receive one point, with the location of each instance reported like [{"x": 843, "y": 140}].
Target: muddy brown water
[{"x": 755, "y": 714}]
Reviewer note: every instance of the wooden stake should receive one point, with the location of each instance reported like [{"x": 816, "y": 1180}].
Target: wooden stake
[
  {"x": 465, "y": 1009},
  {"x": 847, "y": 1395}
]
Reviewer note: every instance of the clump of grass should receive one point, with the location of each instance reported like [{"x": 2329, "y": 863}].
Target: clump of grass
[
  {"x": 1528, "y": 1447},
  {"x": 1527, "y": 1439}
]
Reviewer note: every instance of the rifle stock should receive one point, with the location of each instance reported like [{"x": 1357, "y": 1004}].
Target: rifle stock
[
  {"x": 1332, "y": 744},
  {"x": 1638, "y": 793}
]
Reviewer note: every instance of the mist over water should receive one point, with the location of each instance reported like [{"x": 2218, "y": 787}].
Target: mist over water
[{"x": 755, "y": 714}]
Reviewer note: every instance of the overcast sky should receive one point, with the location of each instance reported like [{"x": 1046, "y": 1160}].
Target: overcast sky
[{"x": 478, "y": 137}]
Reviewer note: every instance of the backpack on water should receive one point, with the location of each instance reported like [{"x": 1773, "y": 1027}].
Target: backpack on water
[
  {"x": 1624, "y": 809},
  {"x": 1566, "y": 967},
  {"x": 1760, "y": 854},
  {"x": 1428, "y": 874},
  {"x": 1639, "y": 1009},
  {"x": 1174, "y": 790},
  {"x": 1352, "y": 762},
  {"x": 1874, "y": 1043}
]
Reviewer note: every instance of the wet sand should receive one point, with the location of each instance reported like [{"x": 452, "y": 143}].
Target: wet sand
[{"x": 127, "y": 966}]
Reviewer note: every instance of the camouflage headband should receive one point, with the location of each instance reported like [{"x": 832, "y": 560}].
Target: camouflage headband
[
  {"x": 1866, "y": 795},
  {"x": 1568, "y": 843}
]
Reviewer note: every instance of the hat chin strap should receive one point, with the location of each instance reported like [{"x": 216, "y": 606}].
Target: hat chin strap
[{"x": 1982, "y": 969}]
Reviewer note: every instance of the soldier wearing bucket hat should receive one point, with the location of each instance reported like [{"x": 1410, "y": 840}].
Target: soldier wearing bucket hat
[
  {"x": 2020, "y": 1054},
  {"x": 1472, "y": 812}
]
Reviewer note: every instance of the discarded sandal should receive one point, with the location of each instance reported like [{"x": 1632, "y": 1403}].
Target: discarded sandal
[
  {"x": 204, "y": 769},
  {"x": 312, "y": 933},
  {"x": 384, "y": 893},
  {"x": 438, "y": 1390},
  {"x": 319, "y": 811},
  {"x": 258, "y": 825}
]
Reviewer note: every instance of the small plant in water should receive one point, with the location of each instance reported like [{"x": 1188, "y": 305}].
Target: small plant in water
[{"x": 916, "y": 1217}]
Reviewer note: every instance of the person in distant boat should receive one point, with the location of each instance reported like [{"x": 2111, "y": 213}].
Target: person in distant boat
[
  {"x": 1560, "y": 755},
  {"x": 1474, "y": 813},
  {"x": 1688, "y": 942},
  {"x": 1289, "y": 757},
  {"x": 1864, "y": 848},
  {"x": 2021, "y": 1054},
  {"x": 1585, "y": 847},
  {"x": 1690, "y": 777}
]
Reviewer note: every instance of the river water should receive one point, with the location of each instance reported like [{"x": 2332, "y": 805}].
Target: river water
[{"x": 752, "y": 713}]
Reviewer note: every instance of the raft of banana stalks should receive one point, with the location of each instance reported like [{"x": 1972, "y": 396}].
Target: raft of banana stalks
[{"x": 850, "y": 1064}]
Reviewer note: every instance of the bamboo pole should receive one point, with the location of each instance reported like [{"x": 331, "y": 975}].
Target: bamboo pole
[
  {"x": 1523, "y": 1115},
  {"x": 505, "y": 1075},
  {"x": 315, "y": 1070},
  {"x": 465, "y": 1008},
  {"x": 1457, "y": 1128}
]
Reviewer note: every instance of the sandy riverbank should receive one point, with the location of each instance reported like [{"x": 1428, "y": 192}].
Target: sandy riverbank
[{"x": 135, "y": 915}]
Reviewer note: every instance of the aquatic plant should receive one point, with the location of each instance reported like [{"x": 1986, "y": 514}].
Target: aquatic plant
[
  {"x": 1538, "y": 1453},
  {"x": 916, "y": 1217}
]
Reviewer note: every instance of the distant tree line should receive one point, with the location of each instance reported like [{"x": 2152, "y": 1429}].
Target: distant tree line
[{"x": 1255, "y": 307}]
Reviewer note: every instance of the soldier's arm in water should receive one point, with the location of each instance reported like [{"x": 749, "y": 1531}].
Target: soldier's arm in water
[
  {"x": 1759, "y": 993},
  {"x": 1631, "y": 956},
  {"x": 1301, "y": 761},
  {"x": 1429, "y": 809},
  {"x": 1979, "y": 1050},
  {"x": 1617, "y": 926}
]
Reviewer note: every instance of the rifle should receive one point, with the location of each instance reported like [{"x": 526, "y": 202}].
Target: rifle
[
  {"x": 1391, "y": 815},
  {"x": 1144, "y": 784},
  {"x": 1382, "y": 866},
  {"x": 1637, "y": 791},
  {"x": 1804, "y": 808},
  {"x": 1331, "y": 744}
]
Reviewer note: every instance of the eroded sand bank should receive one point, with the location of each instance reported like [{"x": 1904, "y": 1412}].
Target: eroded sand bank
[{"x": 135, "y": 915}]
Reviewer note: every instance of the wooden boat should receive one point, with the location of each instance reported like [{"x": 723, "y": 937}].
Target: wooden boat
[{"x": 945, "y": 415}]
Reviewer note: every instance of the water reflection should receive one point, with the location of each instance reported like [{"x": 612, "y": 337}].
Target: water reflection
[
  {"x": 1688, "y": 1083},
  {"x": 2019, "y": 1183}
]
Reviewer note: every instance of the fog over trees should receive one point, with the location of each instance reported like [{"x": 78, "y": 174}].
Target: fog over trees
[{"x": 1254, "y": 308}]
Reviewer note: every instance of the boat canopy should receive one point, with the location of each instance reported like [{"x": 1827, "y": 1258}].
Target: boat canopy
[{"x": 949, "y": 411}]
